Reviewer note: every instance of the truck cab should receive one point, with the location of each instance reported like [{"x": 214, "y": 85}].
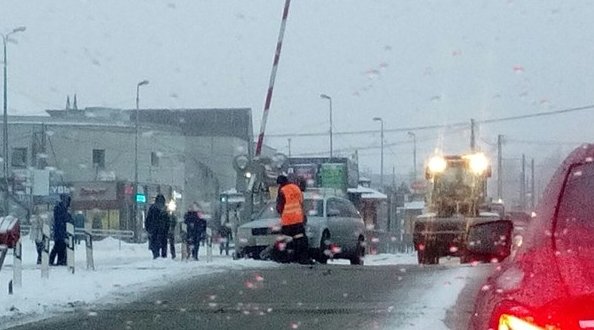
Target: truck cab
[{"x": 456, "y": 206}]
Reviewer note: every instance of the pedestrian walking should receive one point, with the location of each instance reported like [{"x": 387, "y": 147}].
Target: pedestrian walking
[
  {"x": 226, "y": 235},
  {"x": 196, "y": 226},
  {"x": 171, "y": 233},
  {"x": 289, "y": 204},
  {"x": 37, "y": 232},
  {"x": 157, "y": 227},
  {"x": 61, "y": 217}
]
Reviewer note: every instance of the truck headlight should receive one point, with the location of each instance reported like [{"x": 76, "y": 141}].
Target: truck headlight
[
  {"x": 479, "y": 163},
  {"x": 437, "y": 164}
]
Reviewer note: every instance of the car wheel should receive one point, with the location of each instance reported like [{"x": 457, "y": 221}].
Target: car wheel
[
  {"x": 466, "y": 258},
  {"x": 357, "y": 258},
  {"x": 322, "y": 257}
]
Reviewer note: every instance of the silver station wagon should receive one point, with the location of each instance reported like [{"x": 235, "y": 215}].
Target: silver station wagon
[{"x": 334, "y": 229}]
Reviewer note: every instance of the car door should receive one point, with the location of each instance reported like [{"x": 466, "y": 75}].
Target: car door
[
  {"x": 335, "y": 218},
  {"x": 351, "y": 226}
]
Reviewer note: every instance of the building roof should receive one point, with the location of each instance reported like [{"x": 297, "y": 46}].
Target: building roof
[
  {"x": 233, "y": 122},
  {"x": 367, "y": 193}
]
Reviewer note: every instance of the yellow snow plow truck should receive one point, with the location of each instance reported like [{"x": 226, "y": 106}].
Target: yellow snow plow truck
[{"x": 459, "y": 221}]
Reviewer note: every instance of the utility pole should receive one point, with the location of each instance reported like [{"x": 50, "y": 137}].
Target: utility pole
[
  {"x": 382, "y": 152},
  {"x": 394, "y": 176},
  {"x": 289, "y": 140},
  {"x": 523, "y": 184},
  {"x": 532, "y": 191},
  {"x": 324, "y": 96},
  {"x": 472, "y": 136},
  {"x": 414, "y": 136},
  {"x": 499, "y": 167}
]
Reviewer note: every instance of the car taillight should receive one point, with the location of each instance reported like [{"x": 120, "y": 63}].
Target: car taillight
[
  {"x": 511, "y": 322},
  {"x": 513, "y": 316}
]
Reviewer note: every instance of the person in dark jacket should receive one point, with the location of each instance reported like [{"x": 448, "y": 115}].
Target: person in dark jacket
[
  {"x": 157, "y": 226},
  {"x": 171, "y": 233},
  {"x": 61, "y": 217},
  {"x": 226, "y": 235},
  {"x": 196, "y": 226}
]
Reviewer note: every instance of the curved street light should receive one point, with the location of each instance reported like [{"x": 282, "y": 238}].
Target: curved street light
[
  {"x": 5, "y": 38},
  {"x": 324, "y": 96},
  {"x": 136, "y": 222}
]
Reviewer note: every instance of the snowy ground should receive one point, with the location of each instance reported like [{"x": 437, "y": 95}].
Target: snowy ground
[
  {"x": 120, "y": 268},
  {"x": 125, "y": 271}
]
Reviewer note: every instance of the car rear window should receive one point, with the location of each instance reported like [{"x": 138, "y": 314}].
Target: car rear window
[{"x": 575, "y": 220}]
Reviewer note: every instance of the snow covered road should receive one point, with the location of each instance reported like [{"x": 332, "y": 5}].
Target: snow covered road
[{"x": 129, "y": 288}]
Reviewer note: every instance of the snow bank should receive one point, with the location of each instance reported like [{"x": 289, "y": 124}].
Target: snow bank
[{"x": 122, "y": 269}]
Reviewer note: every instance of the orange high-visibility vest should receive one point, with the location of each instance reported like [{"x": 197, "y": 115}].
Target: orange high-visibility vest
[{"x": 293, "y": 210}]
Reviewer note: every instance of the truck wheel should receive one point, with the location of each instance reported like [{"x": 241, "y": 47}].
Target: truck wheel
[
  {"x": 466, "y": 258},
  {"x": 427, "y": 257}
]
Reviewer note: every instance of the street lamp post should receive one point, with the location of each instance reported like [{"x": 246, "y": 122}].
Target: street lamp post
[
  {"x": 5, "y": 38},
  {"x": 324, "y": 96},
  {"x": 382, "y": 151},
  {"x": 136, "y": 221},
  {"x": 414, "y": 136}
]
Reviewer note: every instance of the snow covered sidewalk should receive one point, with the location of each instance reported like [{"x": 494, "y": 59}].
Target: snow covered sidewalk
[{"x": 120, "y": 268}]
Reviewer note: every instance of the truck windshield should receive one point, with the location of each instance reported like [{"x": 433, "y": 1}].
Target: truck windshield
[{"x": 454, "y": 181}]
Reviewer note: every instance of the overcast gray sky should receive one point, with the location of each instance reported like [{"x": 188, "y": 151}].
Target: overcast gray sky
[{"x": 413, "y": 63}]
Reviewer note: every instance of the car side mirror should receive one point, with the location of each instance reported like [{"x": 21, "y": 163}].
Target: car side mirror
[
  {"x": 333, "y": 213},
  {"x": 491, "y": 239}
]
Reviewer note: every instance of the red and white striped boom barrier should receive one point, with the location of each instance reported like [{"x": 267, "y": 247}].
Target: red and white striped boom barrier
[{"x": 279, "y": 46}]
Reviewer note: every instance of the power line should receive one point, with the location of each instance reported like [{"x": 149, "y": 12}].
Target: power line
[
  {"x": 368, "y": 147},
  {"x": 443, "y": 126},
  {"x": 533, "y": 115},
  {"x": 545, "y": 142},
  {"x": 403, "y": 129}
]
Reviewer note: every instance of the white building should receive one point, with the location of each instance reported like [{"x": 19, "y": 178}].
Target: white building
[{"x": 92, "y": 151}]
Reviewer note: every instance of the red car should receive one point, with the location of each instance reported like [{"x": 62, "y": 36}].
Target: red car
[{"x": 548, "y": 281}]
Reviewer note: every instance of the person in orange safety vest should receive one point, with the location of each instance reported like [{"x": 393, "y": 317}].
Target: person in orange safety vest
[{"x": 289, "y": 204}]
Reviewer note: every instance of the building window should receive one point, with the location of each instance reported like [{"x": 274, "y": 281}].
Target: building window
[
  {"x": 99, "y": 158},
  {"x": 19, "y": 157},
  {"x": 154, "y": 159}
]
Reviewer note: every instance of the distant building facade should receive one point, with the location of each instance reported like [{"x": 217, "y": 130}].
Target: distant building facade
[{"x": 185, "y": 154}]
